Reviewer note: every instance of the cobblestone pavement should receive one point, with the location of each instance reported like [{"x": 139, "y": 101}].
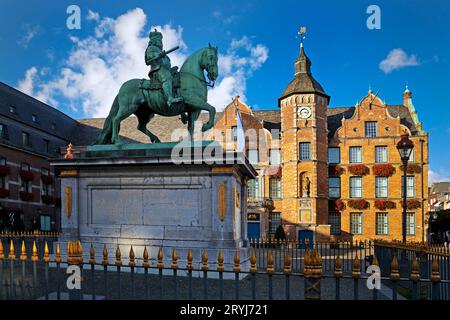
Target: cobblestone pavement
[{"x": 168, "y": 284}]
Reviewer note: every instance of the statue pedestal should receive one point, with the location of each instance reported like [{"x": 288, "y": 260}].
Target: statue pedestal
[{"x": 141, "y": 195}]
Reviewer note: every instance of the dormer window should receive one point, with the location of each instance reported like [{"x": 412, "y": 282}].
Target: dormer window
[
  {"x": 53, "y": 126},
  {"x": 12, "y": 109},
  {"x": 34, "y": 118}
]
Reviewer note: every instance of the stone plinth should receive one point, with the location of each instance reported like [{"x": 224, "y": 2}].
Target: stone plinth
[{"x": 143, "y": 196}]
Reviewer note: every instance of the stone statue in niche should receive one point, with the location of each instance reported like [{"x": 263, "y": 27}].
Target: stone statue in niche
[{"x": 305, "y": 186}]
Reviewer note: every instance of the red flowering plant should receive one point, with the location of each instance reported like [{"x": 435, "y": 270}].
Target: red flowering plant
[
  {"x": 412, "y": 204},
  {"x": 359, "y": 204},
  {"x": 4, "y": 170},
  {"x": 384, "y": 204},
  {"x": 358, "y": 169},
  {"x": 413, "y": 168},
  {"x": 47, "y": 179},
  {"x": 336, "y": 205},
  {"x": 383, "y": 170},
  {"x": 26, "y": 175},
  {"x": 4, "y": 193},
  {"x": 47, "y": 199},
  {"x": 335, "y": 170},
  {"x": 26, "y": 196}
]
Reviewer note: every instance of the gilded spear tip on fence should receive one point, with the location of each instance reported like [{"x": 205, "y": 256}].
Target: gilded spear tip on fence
[
  {"x": 46, "y": 253},
  {"x": 145, "y": 262},
  {"x": 132, "y": 258},
  {"x": 375, "y": 260},
  {"x": 253, "y": 268},
  {"x": 356, "y": 273},
  {"x": 23, "y": 252},
  {"x": 270, "y": 263},
  {"x": 189, "y": 259},
  {"x": 105, "y": 260},
  {"x": 11, "y": 255},
  {"x": 2, "y": 255},
  {"x": 204, "y": 260},
  {"x": 174, "y": 264},
  {"x": 338, "y": 267},
  {"x": 220, "y": 266},
  {"x": 91, "y": 255},
  {"x": 395, "y": 275},
  {"x": 160, "y": 264},
  {"x": 34, "y": 253},
  {"x": 58, "y": 258},
  {"x": 237, "y": 262},
  {"x": 435, "y": 275},
  {"x": 287, "y": 264},
  {"x": 118, "y": 262},
  {"x": 415, "y": 275}
]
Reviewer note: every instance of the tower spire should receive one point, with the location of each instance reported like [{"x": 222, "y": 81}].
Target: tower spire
[{"x": 302, "y": 34}]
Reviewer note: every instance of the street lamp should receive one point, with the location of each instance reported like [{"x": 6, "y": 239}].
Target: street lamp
[{"x": 404, "y": 147}]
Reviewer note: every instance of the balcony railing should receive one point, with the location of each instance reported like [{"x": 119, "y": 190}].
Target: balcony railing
[{"x": 262, "y": 202}]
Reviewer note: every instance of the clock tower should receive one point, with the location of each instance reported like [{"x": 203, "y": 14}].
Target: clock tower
[{"x": 304, "y": 145}]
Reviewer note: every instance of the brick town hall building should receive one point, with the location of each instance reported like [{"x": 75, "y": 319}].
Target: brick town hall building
[{"x": 323, "y": 172}]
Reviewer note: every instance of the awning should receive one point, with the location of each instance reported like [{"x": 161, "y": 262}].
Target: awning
[{"x": 274, "y": 171}]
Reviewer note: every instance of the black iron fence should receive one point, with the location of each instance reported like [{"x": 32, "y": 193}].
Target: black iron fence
[{"x": 283, "y": 270}]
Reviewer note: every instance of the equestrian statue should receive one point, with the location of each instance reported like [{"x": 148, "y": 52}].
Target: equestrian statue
[{"x": 167, "y": 92}]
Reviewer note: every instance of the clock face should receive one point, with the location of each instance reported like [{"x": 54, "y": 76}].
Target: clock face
[{"x": 304, "y": 112}]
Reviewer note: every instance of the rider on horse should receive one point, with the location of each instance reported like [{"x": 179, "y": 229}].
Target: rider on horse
[{"x": 160, "y": 71}]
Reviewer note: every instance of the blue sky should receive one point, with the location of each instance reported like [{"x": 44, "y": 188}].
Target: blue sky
[{"x": 78, "y": 71}]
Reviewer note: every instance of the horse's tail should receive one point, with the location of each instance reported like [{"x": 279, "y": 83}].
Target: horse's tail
[{"x": 106, "y": 135}]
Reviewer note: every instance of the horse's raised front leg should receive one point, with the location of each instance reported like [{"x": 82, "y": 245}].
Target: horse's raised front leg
[{"x": 199, "y": 104}]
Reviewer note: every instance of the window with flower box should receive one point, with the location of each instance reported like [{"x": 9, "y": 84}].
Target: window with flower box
[
  {"x": 382, "y": 223},
  {"x": 356, "y": 223}
]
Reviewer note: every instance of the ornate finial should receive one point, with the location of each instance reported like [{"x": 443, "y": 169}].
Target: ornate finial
[
  {"x": 145, "y": 263},
  {"x": 270, "y": 263},
  {"x": 355, "y": 272},
  {"x": 302, "y": 34},
  {"x": 79, "y": 251},
  {"x": 338, "y": 267},
  {"x": 435, "y": 276},
  {"x": 58, "y": 258},
  {"x": 105, "y": 261},
  {"x": 287, "y": 264},
  {"x": 190, "y": 258},
  {"x": 118, "y": 262},
  {"x": 2, "y": 255},
  {"x": 69, "y": 152},
  {"x": 160, "y": 264},
  {"x": 132, "y": 260},
  {"x": 46, "y": 253},
  {"x": 370, "y": 89},
  {"x": 204, "y": 260},
  {"x": 174, "y": 259},
  {"x": 415, "y": 275},
  {"x": 395, "y": 275},
  {"x": 375, "y": 260},
  {"x": 253, "y": 268},
  {"x": 11, "y": 255},
  {"x": 220, "y": 266},
  {"x": 91, "y": 255},
  {"x": 237, "y": 262},
  {"x": 23, "y": 253},
  {"x": 34, "y": 253}
]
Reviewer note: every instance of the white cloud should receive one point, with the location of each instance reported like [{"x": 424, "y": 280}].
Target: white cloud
[
  {"x": 95, "y": 16},
  {"x": 396, "y": 59},
  {"x": 29, "y": 33},
  {"x": 236, "y": 66},
  {"x": 97, "y": 65},
  {"x": 438, "y": 176},
  {"x": 26, "y": 84}
]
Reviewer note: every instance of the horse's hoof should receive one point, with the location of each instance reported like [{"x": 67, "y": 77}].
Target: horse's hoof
[
  {"x": 118, "y": 142},
  {"x": 205, "y": 127}
]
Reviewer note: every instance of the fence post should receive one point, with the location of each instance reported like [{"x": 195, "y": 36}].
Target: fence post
[
  {"x": 105, "y": 263},
  {"x": 395, "y": 276},
  {"x": 118, "y": 264},
  {"x": 11, "y": 258},
  {"x": 92, "y": 263},
  {"x": 270, "y": 271},
  {"x": 58, "y": 260},
  {"x": 435, "y": 279},
  {"x": 205, "y": 274},
  {"x": 338, "y": 275},
  {"x": 287, "y": 273},
  {"x": 253, "y": 270},
  {"x": 414, "y": 277},
  {"x": 312, "y": 274},
  {"x": 34, "y": 260},
  {"x": 356, "y": 274},
  {"x": 132, "y": 265},
  {"x": 145, "y": 265},
  {"x": 46, "y": 261},
  {"x": 236, "y": 270},
  {"x": 160, "y": 266},
  {"x": 175, "y": 269},
  {"x": 189, "y": 268}
]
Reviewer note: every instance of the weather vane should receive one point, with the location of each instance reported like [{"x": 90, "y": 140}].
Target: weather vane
[{"x": 302, "y": 34}]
